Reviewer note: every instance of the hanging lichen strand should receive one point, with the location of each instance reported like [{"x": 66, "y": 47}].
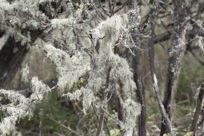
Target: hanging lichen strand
[
  {"x": 20, "y": 106},
  {"x": 78, "y": 46},
  {"x": 107, "y": 72}
]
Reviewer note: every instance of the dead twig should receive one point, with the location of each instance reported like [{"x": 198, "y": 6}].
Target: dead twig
[
  {"x": 62, "y": 125},
  {"x": 101, "y": 123}
]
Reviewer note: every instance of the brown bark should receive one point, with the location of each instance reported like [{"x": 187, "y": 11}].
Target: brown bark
[
  {"x": 139, "y": 83},
  {"x": 140, "y": 93},
  {"x": 176, "y": 54},
  {"x": 101, "y": 123},
  {"x": 151, "y": 53},
  {"x": 174, "y": 67},
  {"x": 197, "y": 122}
]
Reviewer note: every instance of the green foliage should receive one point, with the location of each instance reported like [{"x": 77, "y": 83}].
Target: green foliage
[
  {"x": 77, "y": 85},
  {"x": 167, "y": 134},
  {"x": 51, "y": 108},
  {"x": 1, "y": 115},
  {"x": 114, "y": 132},
  {"x": 183, "y": 115},
  {"x": 80, "y": 5},
  {"x": 189, "y": 134},
  {"x": 183, "y": 86},
  {"x": 192, "y": 72}
]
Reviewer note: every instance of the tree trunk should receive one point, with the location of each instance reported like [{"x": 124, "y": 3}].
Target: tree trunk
[
  {"x": 198, "y": 119},
  {"x": 140, "y": 93},
  {"x": 138, "y": 80},
  {"x": 11, "y": 57},
  {"x": 176, "y": 54}
]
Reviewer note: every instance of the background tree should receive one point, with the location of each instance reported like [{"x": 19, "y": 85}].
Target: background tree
[{"x": 98, "y": 59}]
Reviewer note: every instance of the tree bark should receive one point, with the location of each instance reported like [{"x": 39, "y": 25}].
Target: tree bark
[
  {"x": 140, "y": 93},
  {"x": 138, "y": 80},
  {"x": 198, "y": 119},
  {"x": 176, "y": 54},
  {"x": 151, "y": 52},
  {"x": 10, "y": 61}
]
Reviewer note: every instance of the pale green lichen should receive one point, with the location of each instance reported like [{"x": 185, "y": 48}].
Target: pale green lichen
[{"x": 20, "y": 106}]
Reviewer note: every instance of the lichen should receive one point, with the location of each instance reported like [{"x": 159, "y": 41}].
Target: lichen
[{"x": 20, "y": 106}]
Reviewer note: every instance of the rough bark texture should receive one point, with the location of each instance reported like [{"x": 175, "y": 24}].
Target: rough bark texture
[
  {"x": 140, "y": 93},
  {"x": 174, "y": 67},
  {"x": 198, "y": 119},
  {"x": 139, "y": 83},
  {"x": 151, "y": 53},
  {"x": 176, "y": 54}
]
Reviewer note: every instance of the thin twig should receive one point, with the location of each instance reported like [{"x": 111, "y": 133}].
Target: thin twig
[
  {"x": 197, "y": 58},
  {"x": 194, "y": 126},
  {"x": 62, "y": 125},
  {"x": 166, "y": 118},
  {"x": 101, "y": 122}
]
